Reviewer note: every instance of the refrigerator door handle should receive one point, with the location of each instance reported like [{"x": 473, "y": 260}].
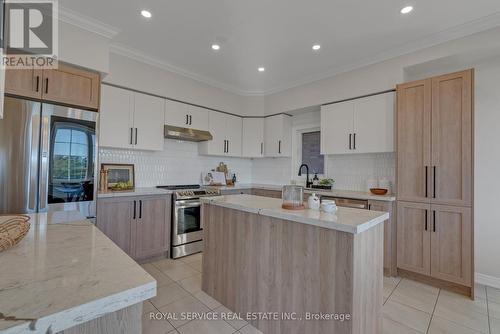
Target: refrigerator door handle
[
  {"x": 44, "y": 159},
  {"x": 34, "y": 155}
]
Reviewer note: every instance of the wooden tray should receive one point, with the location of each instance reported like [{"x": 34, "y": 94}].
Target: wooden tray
[{"x": 13, "y": 228}]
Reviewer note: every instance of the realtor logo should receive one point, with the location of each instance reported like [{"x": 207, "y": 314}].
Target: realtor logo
[{"x": 31, "y": 37}]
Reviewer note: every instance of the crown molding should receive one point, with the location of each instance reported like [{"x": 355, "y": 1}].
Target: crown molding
[
  {"x": 466, "y": 29},
  {"x": 87, "y": 23},
  {"x": 144, "y": 58}
]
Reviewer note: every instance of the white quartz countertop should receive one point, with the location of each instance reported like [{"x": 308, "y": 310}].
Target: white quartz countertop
[
  {"x": 146, "y": 191},
  {"x": 333, "y": 193},
  {"x": 345, "y": 219},
  {"x": 66, "y": 272}
]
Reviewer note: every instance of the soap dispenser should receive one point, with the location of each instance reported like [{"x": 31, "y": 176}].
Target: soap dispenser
[{"x": 313, "y": 202}]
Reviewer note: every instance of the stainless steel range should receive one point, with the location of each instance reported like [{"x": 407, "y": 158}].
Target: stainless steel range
[{"x": 187, "y": 227}]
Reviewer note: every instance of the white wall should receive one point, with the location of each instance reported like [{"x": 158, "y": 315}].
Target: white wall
[
  {"x": 130, "y": 73},
  {"x": 178, "y": 163},
  {"x": 83, "y": 48},
  {"x": 374, "y": 78},
  {"x": 487, "y": 162}
]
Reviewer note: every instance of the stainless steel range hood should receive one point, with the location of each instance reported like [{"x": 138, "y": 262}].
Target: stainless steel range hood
[{"x": 175, "y": 132}]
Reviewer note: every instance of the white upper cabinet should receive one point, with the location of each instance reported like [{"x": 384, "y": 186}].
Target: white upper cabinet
[
  {"x": 278, "y": 136},
  {"x": 336, "y": 128},
  {"x": 116, "y": 117},
  {"x": 374, "y": 124},
  {"x": 226, "y": 131},
  {"x": 186, "y": 116},
  {"x": 234, "y": 126},
  {"x": 176, "y": 114},
  {"x": 148, "y": 122},
  {"x": 364, "y": 125},
  {"x": 198, "y": 118},
  {"x": 130, "y": 120},
  {"x": 253, "y": 138}
]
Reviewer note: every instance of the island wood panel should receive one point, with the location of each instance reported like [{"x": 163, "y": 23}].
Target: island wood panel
[
  {"x": 390, "y": 235},
  {"x": 114, "y": 218},
  {"x": 125, "y": 321},
  {"x": 254, "y": 263}
]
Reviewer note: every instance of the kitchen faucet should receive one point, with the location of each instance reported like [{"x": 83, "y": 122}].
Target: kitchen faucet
[{"x": 308, "y": 183}]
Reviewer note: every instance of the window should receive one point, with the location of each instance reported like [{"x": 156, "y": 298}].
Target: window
[{"x": 311, "y": 152}]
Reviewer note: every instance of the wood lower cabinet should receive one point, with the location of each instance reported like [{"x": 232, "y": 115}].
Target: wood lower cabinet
[
  {"x": 451, "y": 244},
  {"x": 436, "y": 241},
  {"x": 151, "y": 231},
  {"x": 114, "y": 218},
  {"x": 266, "y": 193},
  {"x": 65, "y": 84},
  {"x": 236, "y": 191},
  {"x": 414, "y": 238},
  {"x": 138, "y": 225},
  {"x": 390, "y": 235}
]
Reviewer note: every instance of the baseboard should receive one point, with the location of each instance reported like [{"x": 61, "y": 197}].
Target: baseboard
[{"x": 487, "y": 280}]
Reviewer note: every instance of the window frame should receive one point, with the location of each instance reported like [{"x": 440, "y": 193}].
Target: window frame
[{"x": 297, "y": 153}]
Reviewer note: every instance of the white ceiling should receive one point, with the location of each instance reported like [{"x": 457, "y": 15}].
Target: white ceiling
[{"x": 279, "y": 34}]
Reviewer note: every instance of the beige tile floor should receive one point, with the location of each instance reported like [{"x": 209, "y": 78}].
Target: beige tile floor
[{"x": 409, "y": 307}]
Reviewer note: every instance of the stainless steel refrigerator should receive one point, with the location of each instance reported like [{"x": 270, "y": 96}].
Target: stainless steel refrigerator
[{"x": 48, "y": 158}]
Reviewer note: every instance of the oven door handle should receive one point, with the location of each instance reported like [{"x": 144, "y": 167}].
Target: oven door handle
[{"x": 187, "y": 206}]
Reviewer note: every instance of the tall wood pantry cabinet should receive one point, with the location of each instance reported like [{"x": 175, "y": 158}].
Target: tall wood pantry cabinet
[{"x": 435, "y": 179}]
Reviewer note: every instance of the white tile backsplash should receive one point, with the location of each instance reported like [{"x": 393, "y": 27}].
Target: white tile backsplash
[
  {"x": 272, "y": 170},
  {"x": 178, "y": 163},
  {"x": 351, "y": 171}
]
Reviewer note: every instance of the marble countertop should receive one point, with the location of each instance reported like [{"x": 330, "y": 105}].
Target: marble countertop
[
  {"x": 334, "y": 192},
  {"x": 136, "y": 192},
  {"x": 345, "y": 219},
  {"x": 66, "y": 272}
]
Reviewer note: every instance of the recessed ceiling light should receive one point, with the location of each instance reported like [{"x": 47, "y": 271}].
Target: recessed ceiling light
[
  {"x": 261, "y": 69},
  {"x": 215, "y": 47},
  {"x": 316, "y": 47},
  {"x": 146, "y": 13},
  {"x": 406, "y": 9}
]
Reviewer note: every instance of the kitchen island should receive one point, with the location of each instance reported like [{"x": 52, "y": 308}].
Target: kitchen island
[
  {"x": 67, "y": 276},
  {"x": 294, "y": 271}
]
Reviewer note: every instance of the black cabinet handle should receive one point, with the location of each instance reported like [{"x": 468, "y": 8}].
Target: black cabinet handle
[
  {"x": 227, "y": 146},
  {"x": 434, "y": 220},
  {"x": 426, "y": 180},
  {"x": 279, "y": 146},
  {"x": 426, "y": 213},
  {"x": 187, "y": 119},
  {"x": 190, "y": 120},
  {"x": 37, "y": 83},
  {"x": 135, "y": 205},
  {"x": 354, "y": 141},
  {"x": 46, "y": 85},
  {"x": 131, "y": 135},
  {"x": 261, "y": 148},
  {"x": 224, "y": 146},
  {"x": 140, "y": 209},
  {"x": 434, "y": 181},
  {"x": 350, "y": 141},
  {"x": 369, "y": 206},
  {"x": 136, "y": 136}
]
